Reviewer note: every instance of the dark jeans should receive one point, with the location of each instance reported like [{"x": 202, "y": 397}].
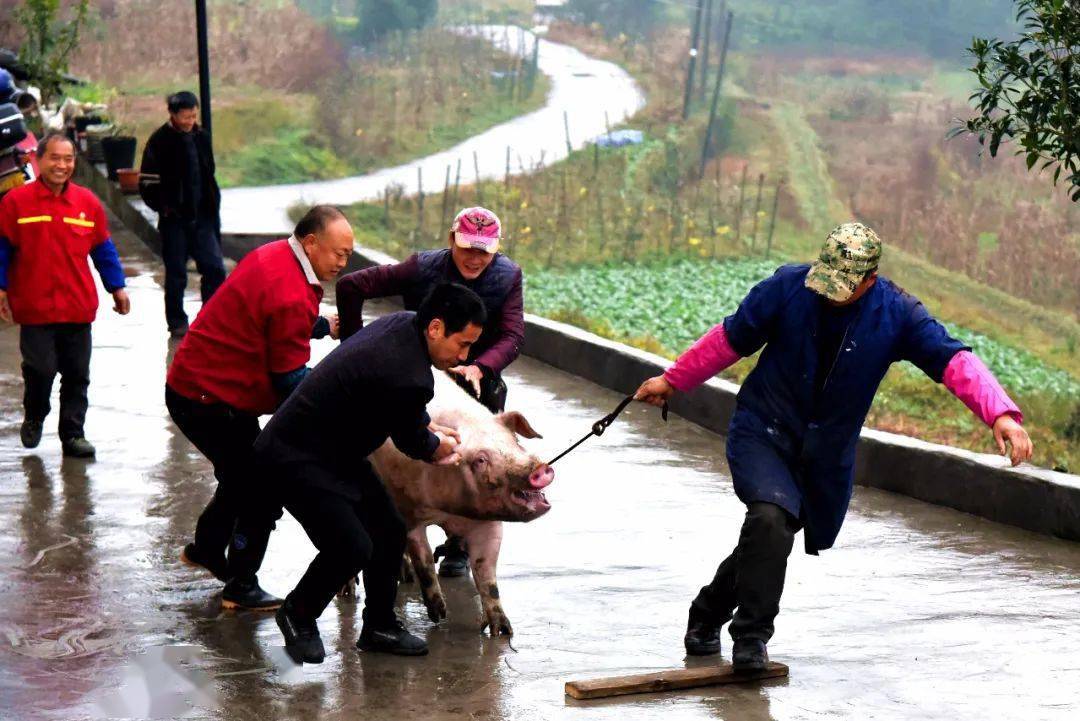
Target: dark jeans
[
  {"x": 749, "y": 583},
  {"x": 244, "y": 508},
  {"x": 181, "y": 239},
  {"x": 351, "y": 536},
  {"x": 62, "y": 348}
]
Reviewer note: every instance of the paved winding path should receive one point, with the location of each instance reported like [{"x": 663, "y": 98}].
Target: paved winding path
[{"x": 591, "y": 92}]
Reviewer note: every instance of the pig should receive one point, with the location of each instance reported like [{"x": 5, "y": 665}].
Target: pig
[{"x": 497, "y": 480}]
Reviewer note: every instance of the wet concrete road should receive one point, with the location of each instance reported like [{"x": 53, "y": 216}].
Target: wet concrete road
[{"x": 920, "y": 612}]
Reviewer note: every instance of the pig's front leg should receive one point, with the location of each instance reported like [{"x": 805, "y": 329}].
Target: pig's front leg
[
  {"x": 484, "y": 541},
  {"x": 423, "y": 564}
]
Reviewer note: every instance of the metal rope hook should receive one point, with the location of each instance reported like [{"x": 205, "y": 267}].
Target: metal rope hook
[{"x": 601, "y": 425}]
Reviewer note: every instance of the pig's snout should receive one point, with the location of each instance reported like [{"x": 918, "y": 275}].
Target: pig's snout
[{"x": 542, "y": 476}]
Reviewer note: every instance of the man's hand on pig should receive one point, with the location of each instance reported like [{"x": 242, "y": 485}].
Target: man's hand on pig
[
  {"x": 445, "y": 430},
  {"x": 472, "y": 374},
  {"x": 445, "y": 454}
]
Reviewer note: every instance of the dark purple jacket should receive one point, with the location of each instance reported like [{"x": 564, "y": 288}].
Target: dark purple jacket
[{"x": 499, "y": 286}]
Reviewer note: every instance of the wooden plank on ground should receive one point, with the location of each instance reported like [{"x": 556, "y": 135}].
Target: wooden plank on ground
[{"x": 670, "y": 680}]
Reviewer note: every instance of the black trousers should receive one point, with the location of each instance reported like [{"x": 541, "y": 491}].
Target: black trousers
[
  {"x": 748, "y": 584},
  {"x": 62, "y": 348},
  {"x": 181, "y": 239},
  {"x": 352, "y": 536},
  {"x": 245, "y": 507}
]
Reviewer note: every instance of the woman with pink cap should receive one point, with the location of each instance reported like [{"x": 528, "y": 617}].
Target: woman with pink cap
[{"x": 472, "y": 259}]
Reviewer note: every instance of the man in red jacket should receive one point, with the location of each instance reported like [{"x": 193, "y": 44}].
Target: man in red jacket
[
  {"x": 48, "y": 229},
  {"x": 245, "y": 352}
]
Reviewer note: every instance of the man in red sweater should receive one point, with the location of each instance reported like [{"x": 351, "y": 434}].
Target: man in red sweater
[{"x": 241, "y": 358}]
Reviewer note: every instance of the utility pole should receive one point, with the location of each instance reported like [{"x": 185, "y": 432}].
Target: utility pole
[
  {"x": 687, "y": 96},
  {"x": 716, "y": 95},
  {"x": 204, "y": 65},
  {"x": 704, "y": 77}
]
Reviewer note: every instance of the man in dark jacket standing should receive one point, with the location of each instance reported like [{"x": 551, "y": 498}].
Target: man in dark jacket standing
[
  {"x": 374, "y": 386},
  {"x": 177, "y": 180},
  {"x": 472, "y": 259},
  {"x": 830, "y": 331}
]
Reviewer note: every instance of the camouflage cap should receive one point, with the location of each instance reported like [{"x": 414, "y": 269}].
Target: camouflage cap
[{"x": 851, "y": 251}]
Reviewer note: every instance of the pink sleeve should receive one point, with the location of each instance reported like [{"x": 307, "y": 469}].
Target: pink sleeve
[
  {"x": 971, "y": 381},
  {"x": 708, "y": 356}
]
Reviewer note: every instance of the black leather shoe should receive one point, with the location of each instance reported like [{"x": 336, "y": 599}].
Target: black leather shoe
[
  {"x": 391, "y": 639},
  {"x": 78, "y": 448},
  {"x": 218, "y": 567},
  {"x": 749, "y": 654},
  {"x": 248, "y": 596},
  {"x": 455, "y": 559},
  {"x": 302, "y": 640},
  {"x": 30, "y": 433},
  {"x": 702, "y": 636},
  {"x": 178, "y": 332}
]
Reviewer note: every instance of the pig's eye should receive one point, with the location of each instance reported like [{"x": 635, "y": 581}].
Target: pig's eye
[{"x": 479, "y": 462}]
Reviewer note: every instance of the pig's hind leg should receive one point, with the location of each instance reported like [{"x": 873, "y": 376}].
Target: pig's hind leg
[
  {"x": 407, "y": 573},
  {"x": 423, "y": 565},
  {"x": 484, "y": 541}
]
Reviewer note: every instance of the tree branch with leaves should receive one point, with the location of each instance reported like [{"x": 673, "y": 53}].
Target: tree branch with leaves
[
  {"x": 50, "y": 41},
  {"x": 1028, "y": 93}
]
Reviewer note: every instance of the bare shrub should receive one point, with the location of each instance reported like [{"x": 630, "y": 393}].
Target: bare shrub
[{"x": 271, "y": 45}]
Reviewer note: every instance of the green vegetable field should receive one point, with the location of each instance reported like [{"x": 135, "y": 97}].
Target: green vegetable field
[{"x": 676, "y": 300}]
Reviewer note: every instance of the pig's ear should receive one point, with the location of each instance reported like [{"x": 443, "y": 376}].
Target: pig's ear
[{"x": 517, "y": 423}]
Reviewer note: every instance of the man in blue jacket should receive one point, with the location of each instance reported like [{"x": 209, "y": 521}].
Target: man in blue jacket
[{"x": 830, "y": 331}]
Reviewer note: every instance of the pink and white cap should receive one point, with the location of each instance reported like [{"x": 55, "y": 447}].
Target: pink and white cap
[{"x": 477, "y": 228}]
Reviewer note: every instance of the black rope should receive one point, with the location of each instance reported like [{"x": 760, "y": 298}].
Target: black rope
[{"x": 601, "y": 425}]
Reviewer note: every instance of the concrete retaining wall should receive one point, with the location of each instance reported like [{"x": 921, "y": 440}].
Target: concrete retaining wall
[{"x": 980, "y": 484}]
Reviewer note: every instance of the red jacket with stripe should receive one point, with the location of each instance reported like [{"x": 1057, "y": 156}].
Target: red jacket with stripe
[{"x": 49, "y": 278}]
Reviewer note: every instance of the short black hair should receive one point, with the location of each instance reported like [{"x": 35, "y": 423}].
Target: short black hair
[
  {"x": 316, "y": 219},
  {"x": 25, "y": 100},
  {"x": 455, "y": 305},
  {"x": 43, "y": 144},
  {"x": 183, "y": 100}
]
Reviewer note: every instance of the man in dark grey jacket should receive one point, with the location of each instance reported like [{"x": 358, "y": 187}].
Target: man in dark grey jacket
[
  {"x": 177, "y": 180},
  {"x": 374, "y": 386}
]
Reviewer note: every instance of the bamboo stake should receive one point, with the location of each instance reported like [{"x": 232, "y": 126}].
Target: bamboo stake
[
  {"x": 742, "y": 198},
  {"x": 757, "y": 209},
  {"x": 772, "y": 220},
  {"x": 445, "y": 198}
]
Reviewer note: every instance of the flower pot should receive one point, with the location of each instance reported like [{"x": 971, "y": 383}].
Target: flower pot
[
  {"x": 118, "y": 152},
  {"x": 94, "y": 135},
  {"x": 85, "y": 121},
  {"x": 129, "y": 180}
]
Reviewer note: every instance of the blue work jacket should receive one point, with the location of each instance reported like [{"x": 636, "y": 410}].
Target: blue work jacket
[{"x": 795, "y": 447}]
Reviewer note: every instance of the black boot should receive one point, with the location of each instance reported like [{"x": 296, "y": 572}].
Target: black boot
[
  {"x": 702, "y": 635},
  {"x": 78, "y": 448},
  {"x": 749, "y": 654},
  {"x": 455, "y": 561},
  {"x": 30, "y": 433},
  {"x": 302, "y": 640},
  {"x": 218, "y": 567},
  {"x": 248, "y": 595},
  {"x": 390, "y": 638}
]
